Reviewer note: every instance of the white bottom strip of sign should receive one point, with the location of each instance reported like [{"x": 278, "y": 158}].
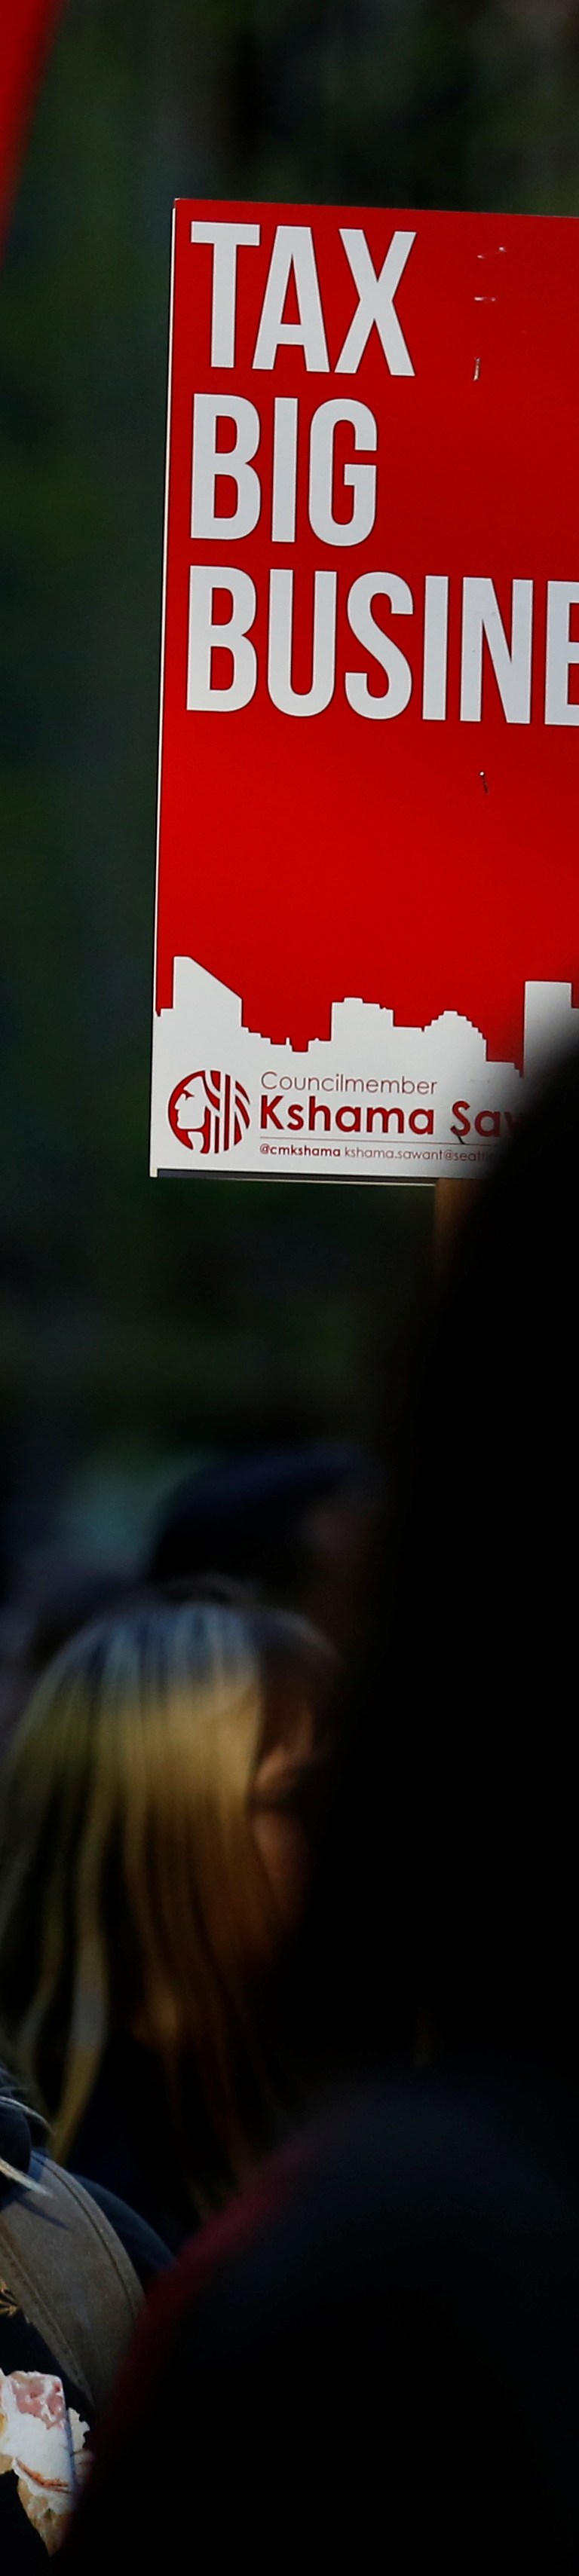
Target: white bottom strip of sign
[{"x": 373, "y": 1101}]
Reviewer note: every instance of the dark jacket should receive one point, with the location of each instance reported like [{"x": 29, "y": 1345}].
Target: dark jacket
[
  {"x": 125, "y": 2142},
  {"x": 374, "y": 2359}
]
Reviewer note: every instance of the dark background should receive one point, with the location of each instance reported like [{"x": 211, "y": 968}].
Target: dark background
[{"x": 144, "y": 1323}]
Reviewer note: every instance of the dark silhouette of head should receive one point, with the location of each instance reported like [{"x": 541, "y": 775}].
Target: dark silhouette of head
[
  {"x": 454, "y": 1833},
  {"x": 286, "y": 1522}
]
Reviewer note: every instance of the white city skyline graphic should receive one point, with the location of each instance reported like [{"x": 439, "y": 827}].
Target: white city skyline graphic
[{"x": 394, "y": 1089}]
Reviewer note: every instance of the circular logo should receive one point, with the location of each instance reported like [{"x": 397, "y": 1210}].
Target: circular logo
[{"x": 208, "y": 1112}]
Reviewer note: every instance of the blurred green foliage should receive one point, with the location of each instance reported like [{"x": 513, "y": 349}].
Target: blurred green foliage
[{"x": 133, "y": 1312}]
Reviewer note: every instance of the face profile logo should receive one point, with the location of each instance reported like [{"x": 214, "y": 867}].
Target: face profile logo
[{"x": 208, "y": 1112}]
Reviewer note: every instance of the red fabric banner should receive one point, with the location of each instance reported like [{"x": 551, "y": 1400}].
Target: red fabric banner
[{"x": 27, "y": 26}]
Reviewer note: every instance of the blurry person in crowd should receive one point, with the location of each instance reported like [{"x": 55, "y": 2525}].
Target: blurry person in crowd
[
  {"x": 290, "y": 1524},
  {"x": 73, "y": 2269},
  {"x": 285, "y": 1525},
  {"x": 393, "y": 2315},
  {"x": 159, "y": 1815}
]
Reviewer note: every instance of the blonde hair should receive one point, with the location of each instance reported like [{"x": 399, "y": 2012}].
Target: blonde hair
[{"x": 132, "y": 1892}]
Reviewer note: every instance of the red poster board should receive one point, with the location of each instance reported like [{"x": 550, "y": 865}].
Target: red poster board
[{"x": 368, "y": 860}]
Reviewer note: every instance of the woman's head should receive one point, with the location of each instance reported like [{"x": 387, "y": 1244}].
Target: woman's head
[{"x": 154, "y": 1849}]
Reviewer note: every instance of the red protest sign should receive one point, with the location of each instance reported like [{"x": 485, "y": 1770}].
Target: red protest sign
[{"x": 368, "y": 905}]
